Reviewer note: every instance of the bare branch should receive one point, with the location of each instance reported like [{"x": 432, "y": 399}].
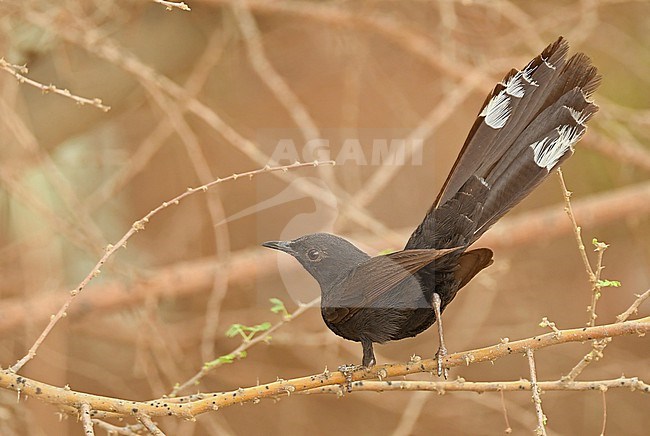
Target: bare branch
[
  {"x": 594, "y": 279},
  {"x": 603, "y": 392},
  {"x": 577, "y": 230},
  {"x": 633, "y": 307},
  {"x": 537, "y": 400},
  {"x": 150, "y": 425},
  {"x": 508, "y": 429},
  {"x": 18, "y": 72},
  {"x": 462, "y": 385},
  {"x": 598, "y": 346},
  {"x": 84, "y": 412},
  {"x": 203, "y": 403},
  {"x": 127, "y": 430}
]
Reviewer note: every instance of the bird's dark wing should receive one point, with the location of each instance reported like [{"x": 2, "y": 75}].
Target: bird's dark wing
[
  {"x": 369, "y": 285},
  {"x": 471, "y": 263}
]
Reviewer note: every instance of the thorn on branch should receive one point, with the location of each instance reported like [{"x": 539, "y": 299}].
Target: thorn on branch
[{"x": 169, "y": 5}]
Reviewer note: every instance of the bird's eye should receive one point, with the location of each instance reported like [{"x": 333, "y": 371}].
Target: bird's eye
[{"x": 314, "y": 255}]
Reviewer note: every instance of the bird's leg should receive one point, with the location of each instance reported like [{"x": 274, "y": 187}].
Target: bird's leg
[
  {"x": 442, "y": 350},
  {"x": 368, "y": 354}
]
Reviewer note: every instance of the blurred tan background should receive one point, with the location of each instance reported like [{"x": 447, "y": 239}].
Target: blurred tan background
[{"x": 206, "y": 93}]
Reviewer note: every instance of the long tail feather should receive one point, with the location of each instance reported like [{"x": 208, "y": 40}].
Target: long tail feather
[{"x": 526, "y": 128}]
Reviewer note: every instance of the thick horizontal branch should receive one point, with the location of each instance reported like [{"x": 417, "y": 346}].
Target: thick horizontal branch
[{"x": 205, "y": 402}]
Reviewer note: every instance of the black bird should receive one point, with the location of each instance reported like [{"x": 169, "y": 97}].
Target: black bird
[{"x": 526, "y": 128}]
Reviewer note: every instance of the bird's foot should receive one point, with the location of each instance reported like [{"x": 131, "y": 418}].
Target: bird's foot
[
  {"x": 440, "y": 355},
  {"x": 348, "y": 370}
]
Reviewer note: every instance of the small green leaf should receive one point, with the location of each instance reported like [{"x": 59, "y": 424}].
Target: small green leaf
[
  {"x": 277, "y": 306},
  {"x": 386, "y": 251},
  {"x": 609, "y": 284},
  {"x": 247, "y": 332},
  {"x": 222, "y": 360},
  {"x": 600, "y": 246},
  {"x": 228, "y": 358},
  {"x": 259, "y": 328},
  {"x": 234, "y": 330}
]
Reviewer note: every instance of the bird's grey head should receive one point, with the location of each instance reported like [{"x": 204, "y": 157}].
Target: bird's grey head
[{"x": 326, "y": 257}]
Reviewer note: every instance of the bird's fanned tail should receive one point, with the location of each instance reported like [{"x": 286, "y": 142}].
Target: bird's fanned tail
[{"x": 526, "y": 128}]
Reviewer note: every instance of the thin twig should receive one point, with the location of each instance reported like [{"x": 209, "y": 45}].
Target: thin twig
[
  {"x": 150, "y": 425},
  {"x": 595, "y": 353},
  {"x": 508, "y": 429},
  {"x": 84, "y": 412},
  {"x": 126, "y": 430},
  {"x": 594, "y": 279},
  {"x": 603, "y": 390},
  {"x": 136, "y": 227},
  {"x": 18, "y": 72},
  {"x": 598, "y": 347},
  {"x": 595, "y": 287},
  {"x": 640, "y": 298},
  {"x": 577, "y": 231},
  {"x": 594, "y": 276},
  {"x": 243, "y": 347},
  {"x": 535, "y": 389}
]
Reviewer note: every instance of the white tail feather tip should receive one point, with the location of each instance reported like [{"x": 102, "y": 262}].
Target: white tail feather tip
[
  {"x": 527, "y": 74},
  {"x": 548, "y": 152},
  {"x": 497, "y": 111},
  {"x": 580, "y": 117},
  {"x": 514, "y": 85}
]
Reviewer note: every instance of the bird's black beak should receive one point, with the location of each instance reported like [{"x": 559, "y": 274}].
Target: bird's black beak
[{"x": 279, "y": 245}]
